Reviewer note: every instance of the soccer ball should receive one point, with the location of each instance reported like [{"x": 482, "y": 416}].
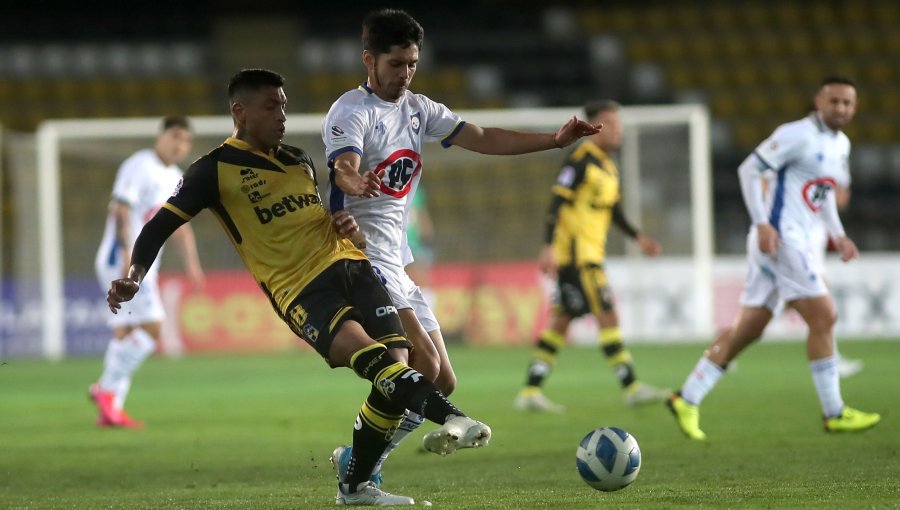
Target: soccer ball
[{"x": 608, "y": 459}]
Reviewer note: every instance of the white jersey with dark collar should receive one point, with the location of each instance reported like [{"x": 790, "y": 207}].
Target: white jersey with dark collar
[
  {"x": 809, "y": 160},
  {"x": 388, "y": 136}
]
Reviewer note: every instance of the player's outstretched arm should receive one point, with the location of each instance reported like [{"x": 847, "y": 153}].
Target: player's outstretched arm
[{"x": 499, "y": 141}]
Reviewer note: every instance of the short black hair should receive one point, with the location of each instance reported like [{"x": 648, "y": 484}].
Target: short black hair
[
  {"x": 836, "y": 79},
  {"x": 251, "y": 80},
  {"x": 383, "y": 28},
  {"x": 593, "y": 108},
  {"x": 180, "y": 121}
]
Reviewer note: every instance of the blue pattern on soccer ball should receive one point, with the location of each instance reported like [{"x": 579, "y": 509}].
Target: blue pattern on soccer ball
[
  {"x": 607, "y": 453},
  {"x": 634, "y": 462},
  {"x": 619, "y": 432},
  {"x": 585, "y": 471}
]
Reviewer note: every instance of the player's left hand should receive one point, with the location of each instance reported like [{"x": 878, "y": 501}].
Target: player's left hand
[
  {"x": 344, "y": 223},
  {"x": 846, "y": 248},
  {"x": 573, "y": 130},
  {"x": 649, "y": 246}
]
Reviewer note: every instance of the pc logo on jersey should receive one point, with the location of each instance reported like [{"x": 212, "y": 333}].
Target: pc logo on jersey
[
  {"x": 816, "y": 191},
  {"x": 415, "y": 122},
  {"x": 399, "y": 170}
]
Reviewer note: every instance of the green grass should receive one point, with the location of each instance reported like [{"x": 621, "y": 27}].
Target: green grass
[{"x": 255, "y": 432}]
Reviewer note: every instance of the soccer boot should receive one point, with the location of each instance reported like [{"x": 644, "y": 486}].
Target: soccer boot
[
  {"x": 687, "y": 415},
  {"x": 340, "y": 459},
  {"x": 122, "y": 420},
  {"x": 848, "y": 367},
  {"x": 105, "y": 405},
  {"x": 533, "y": 399},
  {"x": 638, "y": 393},
  {"x": 458, "y": 432},
  {"x": 366, "y": 494},
  {"x": 851, "y": 420}
]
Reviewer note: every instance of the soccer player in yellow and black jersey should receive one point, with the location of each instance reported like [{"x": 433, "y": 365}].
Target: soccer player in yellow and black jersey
[
  {"x": 265, "y": 196},
  {"x": 586, "y": 200}
]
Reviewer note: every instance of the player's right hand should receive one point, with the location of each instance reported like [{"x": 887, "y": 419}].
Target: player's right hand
[
  {"x": 846, "y": 248},
  {"x": 121, "y": 290},
  {"x": 367, "y": 185},
  {"x": 768, "y": 239},
  {"x": 547, "y": 261}
]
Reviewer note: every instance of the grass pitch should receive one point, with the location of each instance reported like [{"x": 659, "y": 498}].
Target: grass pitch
[{"x": 255, "y": 432}]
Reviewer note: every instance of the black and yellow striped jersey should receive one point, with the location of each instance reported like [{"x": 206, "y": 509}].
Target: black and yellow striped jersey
[
  {"x": 586, "y": 194},
  {"x": 270, "y": 207}
]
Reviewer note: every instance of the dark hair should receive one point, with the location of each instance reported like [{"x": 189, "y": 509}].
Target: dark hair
[
  {"x": 836, "y": 79},
  {"x": 251, "y": 80},
  {"x": 384, "y": 28},
  {"x": 593, "y": 108},
  {"x": 180, "y": 121}
]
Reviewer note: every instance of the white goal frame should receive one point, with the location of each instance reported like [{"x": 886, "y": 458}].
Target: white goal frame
[{"x": 50, "y": 133}]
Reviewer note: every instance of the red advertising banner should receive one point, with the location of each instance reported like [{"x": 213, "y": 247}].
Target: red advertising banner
[{"x": 485, "y": 304}]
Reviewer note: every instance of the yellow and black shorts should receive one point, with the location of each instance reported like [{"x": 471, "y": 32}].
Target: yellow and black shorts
[
  {"x": 582, "y": 290},
  {"x": 346, "y": 290}
]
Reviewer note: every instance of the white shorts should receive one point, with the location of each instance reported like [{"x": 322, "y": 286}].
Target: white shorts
[
  {"x": 406, "y": 294},
  {"x": 146, "y": 306},
  {"x": 787, "y": 276}
]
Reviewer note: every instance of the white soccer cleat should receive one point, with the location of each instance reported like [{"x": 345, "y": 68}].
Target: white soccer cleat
[
  {"x": 531, "y": 400},
  {"x": 367, "y": 494},
  {"x": 640, "y": 394},
  {"x": 458, "y": 432},
  {"x": 848, "y": 367}
]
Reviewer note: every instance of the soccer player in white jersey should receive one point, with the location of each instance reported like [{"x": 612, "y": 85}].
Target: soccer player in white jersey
[
  {"x": 807, "y": 157},
  {"x": 373, "y": 136},
  {"x": 143, "y": 184}
]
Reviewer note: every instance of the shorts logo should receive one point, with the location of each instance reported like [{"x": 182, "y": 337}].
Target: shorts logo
[
  {"x": 336, "y": 131},
  {"x": 399, "y": 170},
  {"x": 381, "y": 311},
  {"x": 310, "y": 333}
]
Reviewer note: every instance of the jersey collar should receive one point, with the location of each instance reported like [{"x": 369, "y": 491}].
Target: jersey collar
[{"x": 240, "y": 144}]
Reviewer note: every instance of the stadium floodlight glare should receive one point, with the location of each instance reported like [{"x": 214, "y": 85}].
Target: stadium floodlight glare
[{"x": 660, "y": 143}]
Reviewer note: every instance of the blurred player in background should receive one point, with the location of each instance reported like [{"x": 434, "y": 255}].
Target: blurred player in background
[
  {"x": 820, "y": 241},
  {"x": 375, "y": 133},
  {"x": 264, "y": 194},
  {"x": 808, "y": 156},
  {"x": 586, "y": 199},
  {"x": 143, "y": 183}
]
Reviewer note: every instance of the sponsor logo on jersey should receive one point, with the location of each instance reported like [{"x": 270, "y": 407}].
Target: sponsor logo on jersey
[
  {"x": 415, "y": 122},
  {"x": 381, "y": 311},
  {"x": 248, "y": 175},
  {"x": 288, "y": 204},
  {"x": 815, "y": 192},
  {"x": 399, "y": 170},
  {"x": 178, "y": 187},
  {"x": 256, "y": 196}
]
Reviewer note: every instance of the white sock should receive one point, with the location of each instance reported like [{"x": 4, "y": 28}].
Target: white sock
[
  {"x": 112, "y": 372},
  {"x": 828, "y": 385},
  {"x": 137, "y": 346},
  {"x": 701, "y": 381},
  {"x": 411, "y": 421}
]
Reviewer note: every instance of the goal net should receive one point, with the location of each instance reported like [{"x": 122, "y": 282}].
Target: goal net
[{"x": 487, "y": 211}]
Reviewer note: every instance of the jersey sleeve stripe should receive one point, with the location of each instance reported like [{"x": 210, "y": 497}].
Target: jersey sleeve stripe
[
  {"x": 763, "y": 160},
  {"x": 334, "y": 154},
  {"x": 447, "y": 141},
  {"x": 564, "y": 192},
  {"x": 181, "y": 214}
]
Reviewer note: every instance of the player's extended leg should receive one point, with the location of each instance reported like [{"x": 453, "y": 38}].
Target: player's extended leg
[
  {"x": 543, "y": 359},
  {"x": 685, "y": 404},
  {"x": 400, "y": 387},
  {"x": 820, "y": 316}
]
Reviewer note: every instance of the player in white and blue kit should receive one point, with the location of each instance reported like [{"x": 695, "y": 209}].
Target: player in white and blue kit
[
  {"x": 143, "y": 184},
  {"x": 808, "y": 157},
  {"x": 374, "y": 136}
]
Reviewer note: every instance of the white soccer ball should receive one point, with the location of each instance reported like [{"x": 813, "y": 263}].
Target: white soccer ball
[{"x": 608, "y": 459}]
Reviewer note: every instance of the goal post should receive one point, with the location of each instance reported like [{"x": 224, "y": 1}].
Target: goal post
[{"x": 669, "y": 144}]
